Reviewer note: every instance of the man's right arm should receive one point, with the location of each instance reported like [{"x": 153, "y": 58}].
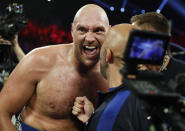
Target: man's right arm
[{"x": 17, "y": 90}]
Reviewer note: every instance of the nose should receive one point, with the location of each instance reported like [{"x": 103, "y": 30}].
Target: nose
[{"x": 90, "y": 38}]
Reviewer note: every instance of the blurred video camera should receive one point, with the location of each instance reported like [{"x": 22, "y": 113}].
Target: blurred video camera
[
  {"x": 11, "y": 20},
  {"x": 162, "y": 100}
]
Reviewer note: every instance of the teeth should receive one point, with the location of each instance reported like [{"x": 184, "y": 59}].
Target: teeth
[{"x": 90, "y": 47}]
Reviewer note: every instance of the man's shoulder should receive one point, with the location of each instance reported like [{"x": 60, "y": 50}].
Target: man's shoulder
[
  {"x": 40, "y": 53},
  {"x": 49, "y": 51},
  {"x": 46, "y": 55},
  {"x": 52, "y": 48}
]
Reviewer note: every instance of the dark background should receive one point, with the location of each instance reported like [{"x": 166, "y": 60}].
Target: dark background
[
  {"x": 49, "y": 20},
  {"x": 65, "y": 10}
]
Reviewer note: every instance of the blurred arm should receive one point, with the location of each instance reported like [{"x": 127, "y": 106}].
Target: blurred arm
[{"x": 17, "y": 49}]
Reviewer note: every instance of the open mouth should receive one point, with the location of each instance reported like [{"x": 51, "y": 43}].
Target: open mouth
[{"x": 90, "y": 51}]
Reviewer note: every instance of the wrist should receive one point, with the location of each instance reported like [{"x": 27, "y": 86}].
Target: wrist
[
  {"x": 88, "y": 117},
  {"x": 15, "y": 44}
]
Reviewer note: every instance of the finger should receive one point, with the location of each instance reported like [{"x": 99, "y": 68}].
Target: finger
[
  {"x": 79, "y": 99},
  {"x": 2, "y": 41},
  {"x": 79, "y": 110},
  {"x": 79, "y": 105},
  {"x": 75, "y": 113}
]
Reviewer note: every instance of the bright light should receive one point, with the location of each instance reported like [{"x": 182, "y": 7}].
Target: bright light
[
  {"x": 49, "y": 0},
  {"x": 112, "y": 8},
  {"x": 177, "y": 6},
  {"x": 122, "y": 9},
  {"x": 142, "y": 11},
  {"x": 158, "y": 11},
  {"x": 162, "y": 5},
  {"x": 102, "y": 3},
  {"x": 123, "y": 6}
]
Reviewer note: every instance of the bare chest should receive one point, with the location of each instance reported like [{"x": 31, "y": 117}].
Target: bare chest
[{"x": 59, "y": 88}]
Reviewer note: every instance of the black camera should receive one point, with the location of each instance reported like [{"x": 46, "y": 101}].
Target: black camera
[
  {"x": 11, "y": 20},
  {"x": 161, "y": 99}
]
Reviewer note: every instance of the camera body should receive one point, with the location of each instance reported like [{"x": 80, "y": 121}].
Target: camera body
[
  {"x": 146, "y": 48},
  {"x": 158, "y": 95},
  {"x": 11, "y": 20}
]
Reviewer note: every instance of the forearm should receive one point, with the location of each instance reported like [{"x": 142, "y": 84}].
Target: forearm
[
  {"x": 5, "y": 122},
  {"x": 16, "y": 47},
  {"x": 18, "y": 51}
]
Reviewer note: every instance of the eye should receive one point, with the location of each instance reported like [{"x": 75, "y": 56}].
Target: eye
[
  {"x": 82, "y": 29},
  {"x": 99, "y": 30}
]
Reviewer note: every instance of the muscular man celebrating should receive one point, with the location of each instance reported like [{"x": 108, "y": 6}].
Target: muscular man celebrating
[{"x": 48, "y": 79}]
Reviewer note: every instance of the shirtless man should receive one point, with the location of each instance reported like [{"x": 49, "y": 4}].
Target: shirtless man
[
  {"x": 48, "y": 79},
  {"x": 119, "y": 109}
]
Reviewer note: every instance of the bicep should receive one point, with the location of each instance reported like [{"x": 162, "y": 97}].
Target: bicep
[{"x": 17, "y": 90}]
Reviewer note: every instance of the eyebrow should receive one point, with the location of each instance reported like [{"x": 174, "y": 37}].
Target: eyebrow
[{"x": 96, "y": 26}]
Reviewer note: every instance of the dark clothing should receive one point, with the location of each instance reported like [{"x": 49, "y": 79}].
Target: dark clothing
[
  {"x": 7, "y": 62},
  {"x": 118, "y": 110},
  {"x": 174, "y": 67},
  {"x": 7, "y": 58}
]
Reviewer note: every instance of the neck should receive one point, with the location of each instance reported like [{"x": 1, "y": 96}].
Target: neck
[{"x": 114, "y": 76}]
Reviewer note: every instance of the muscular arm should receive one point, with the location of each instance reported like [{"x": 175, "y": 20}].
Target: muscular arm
[{"x": 17, "y": 91}]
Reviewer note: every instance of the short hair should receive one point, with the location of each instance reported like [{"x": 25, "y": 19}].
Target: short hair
[{"x": 156, "y": 20}]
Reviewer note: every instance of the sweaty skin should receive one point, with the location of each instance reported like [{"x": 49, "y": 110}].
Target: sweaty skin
[{"x": 48, "y": 79}]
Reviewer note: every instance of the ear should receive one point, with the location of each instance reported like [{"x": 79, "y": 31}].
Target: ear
[{"x": 109, "y": 56}]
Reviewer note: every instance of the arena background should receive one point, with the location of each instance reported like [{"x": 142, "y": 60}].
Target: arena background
[{"x": 50, "y": 20}]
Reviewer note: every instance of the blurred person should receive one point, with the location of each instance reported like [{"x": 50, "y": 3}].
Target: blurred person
[
  {"x": 47, "y": 80},
  {"x": 15, "y": 46},
  {"x": 119, "y": 109},
  {"x": 10, "y": 54},
  {"x": 157, "y": 22},
  {"x": 171, "y": 67}
]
